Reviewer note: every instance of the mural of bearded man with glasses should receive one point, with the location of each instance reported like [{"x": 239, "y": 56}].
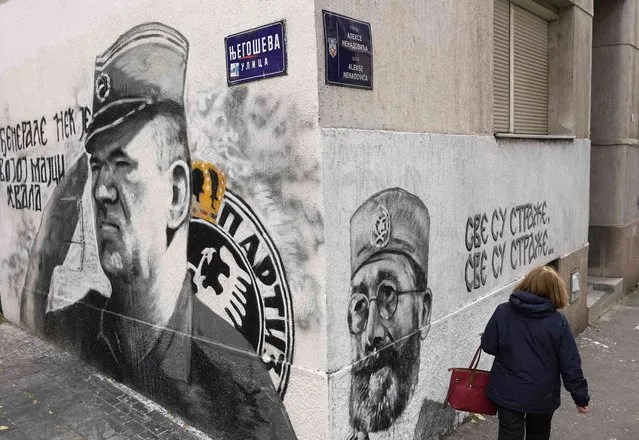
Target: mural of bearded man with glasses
[{"x": 389, "y": 307}]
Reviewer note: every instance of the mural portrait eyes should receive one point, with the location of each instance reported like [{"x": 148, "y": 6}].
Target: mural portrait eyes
[
  {"x": 386, "y": 300},
  {"x": 357, "y": 313},
  {"x": 387, "y": 297}
]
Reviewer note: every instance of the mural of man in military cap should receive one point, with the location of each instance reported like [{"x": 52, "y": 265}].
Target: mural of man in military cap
[
  {"x": 151, "y": 332},
  {"x": 389, "y": 307}
]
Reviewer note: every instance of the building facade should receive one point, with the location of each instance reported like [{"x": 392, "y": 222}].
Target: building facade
[
  {"x": 346, "y": 243},
  {"x": 614, "y": 207}
]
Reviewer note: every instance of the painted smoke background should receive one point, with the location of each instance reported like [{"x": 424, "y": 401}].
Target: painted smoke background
[{"x": 255, "y": 139}]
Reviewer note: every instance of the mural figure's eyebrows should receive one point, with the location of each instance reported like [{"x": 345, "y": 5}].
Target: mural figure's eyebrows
[
  {"x": 118, "y": 153},
  {"x": 115, "y": 154},
  {"x": 386, "y": 275},
  {"x": 359, "y": 288}
]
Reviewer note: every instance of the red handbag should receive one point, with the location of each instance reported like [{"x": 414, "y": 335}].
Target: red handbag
[{"x": 467, "y": 389}]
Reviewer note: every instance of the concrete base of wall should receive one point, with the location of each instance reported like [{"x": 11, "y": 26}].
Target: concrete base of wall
[
  {"x": 614, "y": 253},
  {"x": 603, "y": 293},
  {"x": 574, "y": 267}
]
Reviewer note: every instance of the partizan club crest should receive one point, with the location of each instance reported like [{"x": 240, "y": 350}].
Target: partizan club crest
[{"x": 237, "y": 270}]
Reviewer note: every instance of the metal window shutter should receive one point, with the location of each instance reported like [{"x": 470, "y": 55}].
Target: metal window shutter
[
  {"x": 530, "y": 73},
  {"x": 501, "y": 66}
]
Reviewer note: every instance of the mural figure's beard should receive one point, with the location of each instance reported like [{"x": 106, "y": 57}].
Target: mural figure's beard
[{"x": 382, "y": 385}]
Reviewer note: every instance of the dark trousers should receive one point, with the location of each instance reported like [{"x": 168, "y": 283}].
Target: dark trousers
[{"x": 513, "y": 425}]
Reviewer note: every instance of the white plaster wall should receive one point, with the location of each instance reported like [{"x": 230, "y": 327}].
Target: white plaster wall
[
  {"x": 47, "y": 53},
  {"x": 456, "y": 177}
]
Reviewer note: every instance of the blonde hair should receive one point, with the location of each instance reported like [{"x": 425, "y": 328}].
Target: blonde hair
[{"x": 543, "y": 281}]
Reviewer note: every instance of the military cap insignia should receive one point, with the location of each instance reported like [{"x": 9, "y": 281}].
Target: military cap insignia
[
  {"x": 102, "y": 86},
  {"x": 381, "y": 227}
]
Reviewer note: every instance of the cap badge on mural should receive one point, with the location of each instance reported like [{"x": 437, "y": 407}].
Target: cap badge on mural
[
  {"x": 237, "y": 271},
  {"x": 102, "y": 87},
  {"x": 381, "y": 227},
  {"x": 332, "y": 46}
]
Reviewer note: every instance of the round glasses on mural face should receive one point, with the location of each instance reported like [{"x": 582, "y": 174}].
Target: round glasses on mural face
[{"x": 386, "y": 299}]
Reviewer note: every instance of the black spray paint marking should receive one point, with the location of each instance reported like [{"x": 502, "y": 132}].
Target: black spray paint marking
[
  {"x": 24, "y": 177},
  {"x": 69, "y": 123},
  {"x": 23, "y": 135},
  {"x": 65, "y": 124},
  {"x": 519, "y": 236},
  {"x": 47, "y": 169},
  {"x": 24, "y": 196}
]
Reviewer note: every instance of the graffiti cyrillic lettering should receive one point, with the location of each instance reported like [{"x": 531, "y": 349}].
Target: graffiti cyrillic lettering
[
  {"x": 265, "y": 271},
  {"x": 86, "y": 119},
  {"x": 13, "y": 170},
  {"x": 65, "y": 124},
  {"x": 476, "y": 231},
  {"x": 23, "y": 135},
  {"x": 250, "y": 246},
  {"x": 236, "y": 219},
  {"x": 23, "y": 196},
  {"x": 528, "y": 240},
  {"x": 275, "y": 301},
  {"x": 47, "y": 169},
  {"x": 475, "y": 272},
  {"x": 499, "y": 252}
]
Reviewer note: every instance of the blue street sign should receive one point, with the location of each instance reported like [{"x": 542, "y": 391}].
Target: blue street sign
[
  {"x": 256, "y": 54},
  {"x": 348, "y": 51}
]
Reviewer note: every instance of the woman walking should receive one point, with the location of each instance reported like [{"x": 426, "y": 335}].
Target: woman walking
[{"x": 533, "y": 347}]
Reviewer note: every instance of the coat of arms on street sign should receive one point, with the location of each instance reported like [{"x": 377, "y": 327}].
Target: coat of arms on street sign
[{"x": 332, "y": 46}]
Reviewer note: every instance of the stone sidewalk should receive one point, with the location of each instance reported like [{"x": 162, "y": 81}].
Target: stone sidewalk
[
  {"x": 610, "y": 360},
  {"x": 45, "y": 393}
]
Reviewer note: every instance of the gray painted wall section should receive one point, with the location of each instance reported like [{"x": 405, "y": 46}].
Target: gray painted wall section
[{"x": 456, "y": 177}]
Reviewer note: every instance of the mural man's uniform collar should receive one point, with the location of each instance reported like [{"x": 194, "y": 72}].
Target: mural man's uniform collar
[{"x": 169, "y": 347}]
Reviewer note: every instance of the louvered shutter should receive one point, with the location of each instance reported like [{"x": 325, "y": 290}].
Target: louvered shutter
[
  {"x": 530, "y": 73},
  {"x": 501, "y": 62}
]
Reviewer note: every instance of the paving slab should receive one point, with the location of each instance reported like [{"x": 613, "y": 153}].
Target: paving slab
[{"x": 48, "y": 394}]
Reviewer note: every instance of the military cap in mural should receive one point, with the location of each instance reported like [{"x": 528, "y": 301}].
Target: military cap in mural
[
  {"x": 391, "y": 221},
  {"x": 146, "y": 66}
]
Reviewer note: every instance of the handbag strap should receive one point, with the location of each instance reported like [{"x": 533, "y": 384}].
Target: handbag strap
[
  {"x": 475, "y": 361},
  {"x": 472, "y": 366}
]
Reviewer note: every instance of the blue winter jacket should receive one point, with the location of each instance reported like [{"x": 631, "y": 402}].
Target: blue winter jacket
[{"x": 533, "y": 345}]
